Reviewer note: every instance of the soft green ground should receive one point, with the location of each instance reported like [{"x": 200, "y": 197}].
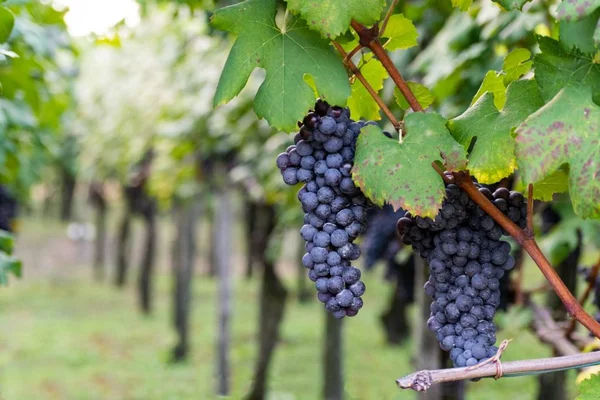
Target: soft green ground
[{"x": 64, "y": 337}]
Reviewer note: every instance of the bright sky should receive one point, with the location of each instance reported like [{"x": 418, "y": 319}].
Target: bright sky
[{"x": 97, "y": 16}]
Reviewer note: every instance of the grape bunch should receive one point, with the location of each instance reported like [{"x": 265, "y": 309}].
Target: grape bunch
[
  {"x": 8, "y": 209},
  {"x": 335, "y": 209},
  {"x": 466, "y": 260}
]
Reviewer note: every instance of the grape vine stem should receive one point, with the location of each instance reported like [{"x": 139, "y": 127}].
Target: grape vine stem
[
  {"x": 527, "y": 241},
  {"x": 354, "y": 69},
  {"x": 423, "y": 380},
  {"x": 446, "y": 178},
  {"x": 369, "y": 37},
  {"x": 348, "y": 56},
  {"x": 588, "y": 290},
  {"x": 388, "y": 14}
]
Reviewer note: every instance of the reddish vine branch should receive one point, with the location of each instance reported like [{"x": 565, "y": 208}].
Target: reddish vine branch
[
  {"x": 527, "y": 241},
  {"x": 588, "y": 290},
  {"x": 368, "y": 86},
  {"x": 447, "y": 179},
  {"x": 369, "y": 37}
]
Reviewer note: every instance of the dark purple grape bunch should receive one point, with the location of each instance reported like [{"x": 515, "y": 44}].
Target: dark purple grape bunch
[
  {"x": 467, "y": 261},
  {"x": 335, "y": 209}
]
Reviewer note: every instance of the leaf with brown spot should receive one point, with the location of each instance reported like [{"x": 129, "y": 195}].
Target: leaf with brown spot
[
  {"x": 564, "y": 131},
  {"x": 401, "y": 173},
  {"x": 574, "y": 10}
]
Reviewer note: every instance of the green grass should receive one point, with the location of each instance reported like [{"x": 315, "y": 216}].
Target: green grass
[
  {"x": 78, "y": 340},
  {"x": 65, "y": 337}
]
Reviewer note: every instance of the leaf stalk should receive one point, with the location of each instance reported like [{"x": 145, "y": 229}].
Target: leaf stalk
[{"x": 354, "y": 69}]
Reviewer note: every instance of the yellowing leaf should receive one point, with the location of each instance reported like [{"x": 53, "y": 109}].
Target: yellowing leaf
[
  {"x": 587, "y": 373},
  {"x": 401, "y": 33},
  {"x": 564, "y": 131},
  {"x": 493, "y": 155}
]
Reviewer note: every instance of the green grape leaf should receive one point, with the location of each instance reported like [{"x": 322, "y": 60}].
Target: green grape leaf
[
  {"x": 6, "y": 242},
  {"x": 462, "y": 4},
  {"x": 580, "y": 34},
  {"x": 516, "y": 64},
  {"x": 401, "y": 174},
  {"x": 573, "y": 10},
  {"x": 8, "y": 264},
  {"x": 555, "y": 68},
  {"x": 401, "y": 33},
  {"x": 287, "y": 54},
  {"x": 421, "y": 92},
  {"x": 512, "y": 4},
  {"x": 545, "y": 189},
  {"x": 597, "y": 34},
  {"x": 7, "y": 22},
  {"x": 566, "y": 130},
  {"x": 493, "y": 155},
  {"x": 332, "y": 17},
  {"x": 361, "y": 103},
  {"x": 493, "y": 83},
  {"x": 589, "y": 389}
]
